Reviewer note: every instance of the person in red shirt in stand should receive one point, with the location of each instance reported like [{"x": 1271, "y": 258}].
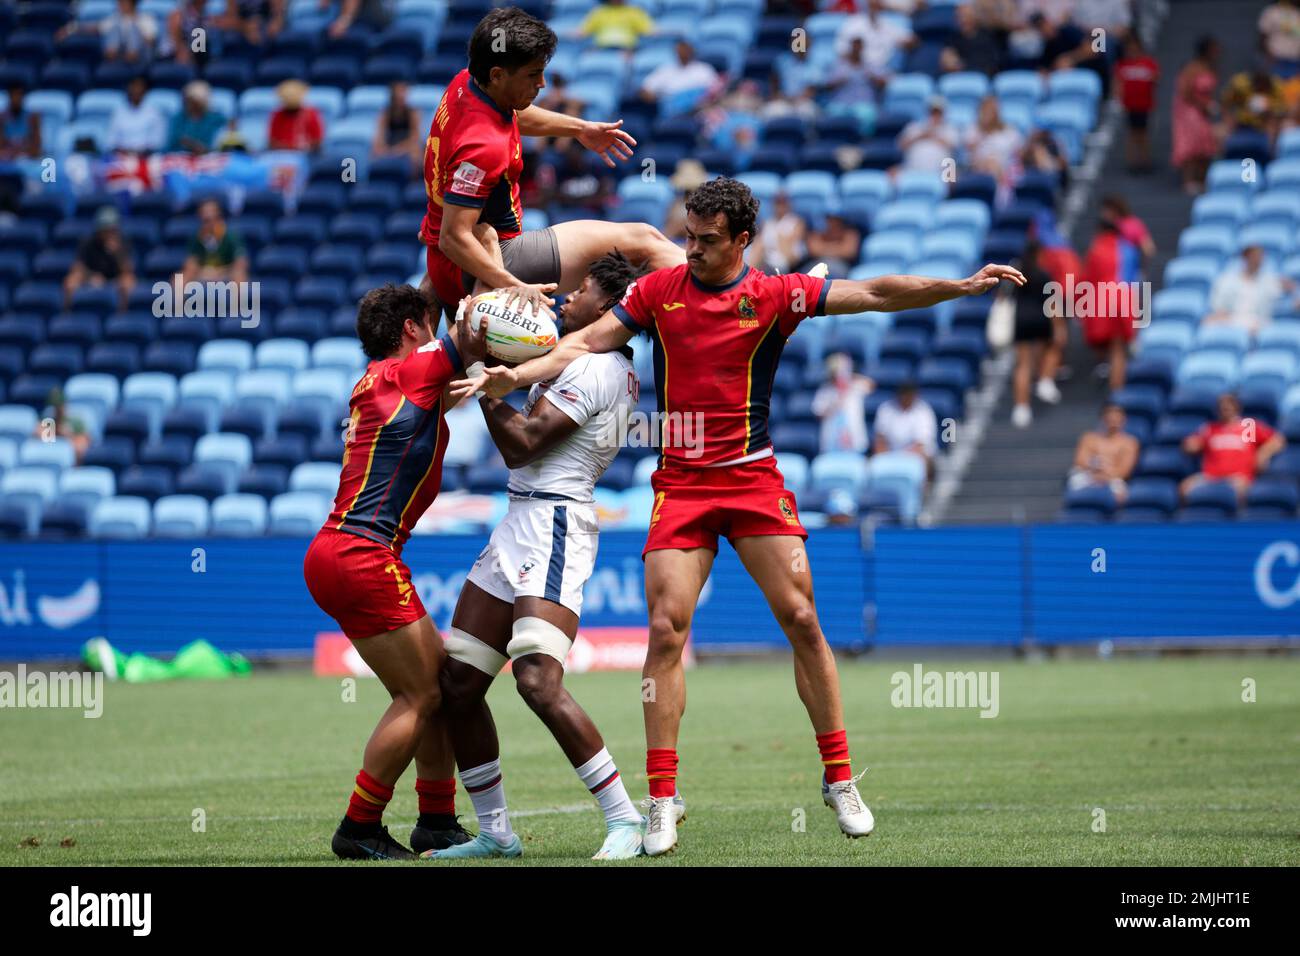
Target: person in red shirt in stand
[
  {"x": 1233, "y": 449},
  {"x": 295, "y": 125},
  {"x": 1137, "y": 72}
]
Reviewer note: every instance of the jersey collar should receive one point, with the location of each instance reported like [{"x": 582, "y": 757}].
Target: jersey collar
[
  {"x": 481, "y": 94},
  {"x": 719, "y": 288}
]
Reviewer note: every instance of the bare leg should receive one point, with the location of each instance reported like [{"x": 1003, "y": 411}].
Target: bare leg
[
  {"x": 779, "y": 566},
  {"x": 673, "y": 581},
  {"x": 581, "y": 242}
]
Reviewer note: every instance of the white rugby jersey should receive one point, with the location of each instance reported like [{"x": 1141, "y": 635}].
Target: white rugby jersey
[{"x": 598, "y": 391}]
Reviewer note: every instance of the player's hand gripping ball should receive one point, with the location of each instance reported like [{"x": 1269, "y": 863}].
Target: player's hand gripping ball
[{"x": 515, "y": 333}]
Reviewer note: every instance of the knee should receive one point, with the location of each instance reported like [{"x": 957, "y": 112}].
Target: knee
[
  {"x": 539, "y": 690},
  {"x": 799, "y": 621},
  {"x": 457, "y": 699},
  {"x": 425, "y": 702},
  {"x": 668, "y": 633},
  {"x": 647, "y": 238}
]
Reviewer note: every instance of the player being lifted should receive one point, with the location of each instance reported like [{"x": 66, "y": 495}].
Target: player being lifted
[
  {"x": 718, "y": 329},
  {"x": 392, "y": 471},
  {"x": 473, "y": 159},
  {"x": 523, "y": 597}
]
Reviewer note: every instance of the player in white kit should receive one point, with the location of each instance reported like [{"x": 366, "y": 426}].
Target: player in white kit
[{"x": 522, "y": 599}]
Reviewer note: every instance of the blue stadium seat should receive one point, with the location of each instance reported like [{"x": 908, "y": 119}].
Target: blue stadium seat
[
  {"x": 180, "y": 516},
  {"x": 1210, "y": 500},
  {"x": 120, "y": 517},
  {"x": 238, "y": 516}
]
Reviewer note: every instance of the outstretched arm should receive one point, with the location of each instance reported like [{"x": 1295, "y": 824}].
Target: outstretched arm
[
  {"x": 896, "y": 293},
  {"x": 607, "y": 139},
  {"x": 604, "y": 335}
]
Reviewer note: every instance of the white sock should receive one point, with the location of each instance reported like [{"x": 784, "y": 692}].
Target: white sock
[
  {"x": 601, "y": 777},
  {"x": 488, "y": 794}
]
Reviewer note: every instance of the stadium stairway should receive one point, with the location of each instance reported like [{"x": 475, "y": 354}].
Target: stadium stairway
[{"x": 1019, "y": 475}]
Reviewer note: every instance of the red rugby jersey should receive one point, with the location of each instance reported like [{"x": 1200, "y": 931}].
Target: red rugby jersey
[
  {"x": 392, "y": 465},
  {"x": 473, "y": 157},
  {"x": 716, "y": 350}
]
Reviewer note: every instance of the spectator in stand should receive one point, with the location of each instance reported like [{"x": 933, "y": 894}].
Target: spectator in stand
[
  {"x": 837, "y": 244},
  {"x": 256, "y": 20},
  {"x": 796, "y": 71},
  {"x": 194, "y": 129},
  {"x": 1279, "y": 36},
  {"x": 733, "y": 123},
  {"x": 907, "y": 423},
  {"x": 1042, "y": 153},
  {"x": 881, "y": 37},
  {"x": 1246, "y": 292},
  {"x": 680, "y": 84},
  {"x": 927, "y": 143},
  {"x": 992, "y": 145},
  {"x": 20, "y": 130},
  {"x": 136, "y": 126},
  {"x": 376, "y": 14},
  {"x": 779, "y": 245},
  {"x": 689, "y": 176},
  {"x": 1110, "y": 314},
  {"x": 1039, "y": 336},
  {"x": 177, "y": 40},
  {"x": 852, "y": 80},
  {"x": 129, "y": 36},
  {"x": 398, "y": 131},
  {"x": 103, "y": 258},
  {"x": 66, "y": 426},
  {"x": 840, "y": 404},
  {"x": 1194, "y": 112},
  {"x": 1232, "y": 449},
  {"x": 1105, "y": 456},
  {"x": 295, "y": 125},
  {"x": 1137, "y": 73},
  {"x": 216, "y": 253},
  {"x": 573, "y": 178},
  {"x": 1255, "y": 100},
  {"x": 1115, "y": 209},
  {"x": 617, "y": 24},
  {"x": 975, "y": 47}
]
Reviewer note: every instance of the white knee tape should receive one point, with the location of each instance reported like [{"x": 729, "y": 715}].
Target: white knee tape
[
  {"x": 532, "y": 635},
  {"x": 469, "y": 649}
]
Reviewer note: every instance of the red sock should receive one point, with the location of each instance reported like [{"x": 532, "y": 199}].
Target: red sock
[
  {"x": 369, "y": 797},
  {"x": 437, "y": 797},
  {"x": 834, "y": 747},
  {"x": 661, "y": 769}
]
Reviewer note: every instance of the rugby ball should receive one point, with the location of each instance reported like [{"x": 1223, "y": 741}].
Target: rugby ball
[{"x": 514, "y": 334}]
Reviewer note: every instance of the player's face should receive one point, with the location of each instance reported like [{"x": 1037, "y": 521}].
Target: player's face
[
  {"x": 584, "y": 306},
  {"x": 713, "y": 255},
  {"x": 520, "y": 88}
]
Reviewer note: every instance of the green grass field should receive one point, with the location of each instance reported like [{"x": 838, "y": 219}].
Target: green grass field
[{"x": 1186, "y": 772}]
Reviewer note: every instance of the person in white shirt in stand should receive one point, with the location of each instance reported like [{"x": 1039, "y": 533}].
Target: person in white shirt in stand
[
  {"x": 1245, "y": 294},
  {"x": 136, "y": 126},
  {"x": 907, "y": 423},
  {"x": 841, "y": 406},
  {"x": 672, "y": 79},
  {"x": 927, "y": 143}
]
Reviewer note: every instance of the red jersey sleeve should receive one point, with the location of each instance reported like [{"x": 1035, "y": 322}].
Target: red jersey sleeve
[
  {"x": 798, "y": 296},
  {"x": 424, "y": 373},
  {"x": 635, "y": 309},
  {"x": 476, "y": 164}
]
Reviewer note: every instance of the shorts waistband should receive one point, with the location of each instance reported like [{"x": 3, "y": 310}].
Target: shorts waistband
[{"x": 543, "y": 496}]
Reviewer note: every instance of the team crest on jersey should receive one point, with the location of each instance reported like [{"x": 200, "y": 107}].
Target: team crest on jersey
[
  {"x": 786, "y": 511},
  {"x": 525, "y": 568},
  {"x": 468, "y": 179},
  {"x": 748, "y": 314}
]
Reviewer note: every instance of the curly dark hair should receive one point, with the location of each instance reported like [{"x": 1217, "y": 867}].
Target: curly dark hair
[
  {"x": 730, "y": 197},
  {"x": 382, "y": 314},
  {"x": 525, "y": 39},
  {"x": 614, "y": 272}
]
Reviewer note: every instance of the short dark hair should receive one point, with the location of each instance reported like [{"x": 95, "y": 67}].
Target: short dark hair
[
  {"x": 526, "y": 39},
  {"x": 730, "y": 197},
  {"x": 382, "y": 314},
  {"x": 614, "y": 272}
]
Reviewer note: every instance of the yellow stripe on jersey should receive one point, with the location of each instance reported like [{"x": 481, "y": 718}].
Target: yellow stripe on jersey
[
  {"x": 416, "y": 490},
  {"x": 370, "y": 461},
  {"x": 749, "y": 380}
]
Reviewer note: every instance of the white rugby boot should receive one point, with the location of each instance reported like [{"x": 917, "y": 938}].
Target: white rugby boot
[
  {"x": 663, "y": 815},
  {"x": 851, "y": 813}
]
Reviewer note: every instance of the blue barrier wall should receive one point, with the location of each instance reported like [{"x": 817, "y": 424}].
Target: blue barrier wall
[{"x": 977, "y": 586}]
